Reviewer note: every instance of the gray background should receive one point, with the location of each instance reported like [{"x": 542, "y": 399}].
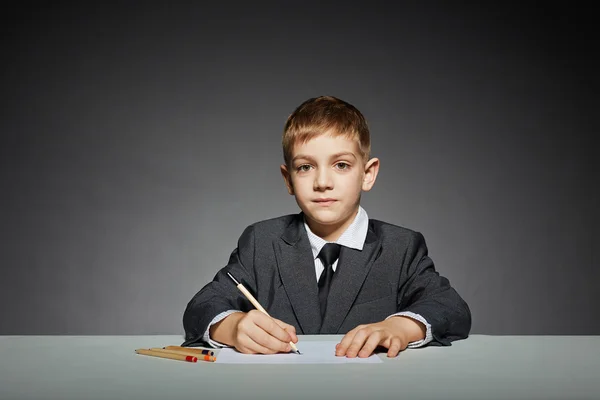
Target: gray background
[{"x": 139, "y": 141}]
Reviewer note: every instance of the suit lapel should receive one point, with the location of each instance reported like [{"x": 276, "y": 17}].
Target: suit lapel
[
  {"x": 351, "y": 271},
  {"x": 297, "y": 271}
]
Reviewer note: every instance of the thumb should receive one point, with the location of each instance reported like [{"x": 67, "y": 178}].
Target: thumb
[{"x": 290, "y": 329}]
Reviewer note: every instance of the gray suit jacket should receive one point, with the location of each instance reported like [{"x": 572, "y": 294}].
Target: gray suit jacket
[{"x": 274, "y": 261}]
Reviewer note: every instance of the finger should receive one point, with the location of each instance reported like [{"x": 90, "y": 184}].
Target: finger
[
  {"x": 263, "y": 340},
  {"x": 252, "y": 336},
  {"x": 358, "y": 342},
  {"x": 264, "y": 333},
  {"x": 374, "y": 339},
  {"x": 273, "y": 327},
  {"x": 342, "y": 346},
  {"x": 292, "y": 332},
  {"x": 290, "y": 329},
  {"x": 268, "y": 324},
  {"x": 395, "y": 347}
]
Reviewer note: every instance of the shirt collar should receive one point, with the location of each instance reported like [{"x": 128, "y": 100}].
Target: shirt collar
[{"x": 354, "y": 236}]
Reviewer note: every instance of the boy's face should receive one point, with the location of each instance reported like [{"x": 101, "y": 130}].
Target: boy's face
[{"x": 327, "y": 175}]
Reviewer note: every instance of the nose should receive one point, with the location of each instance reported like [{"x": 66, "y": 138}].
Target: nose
[{"x": 323, "y": 180}]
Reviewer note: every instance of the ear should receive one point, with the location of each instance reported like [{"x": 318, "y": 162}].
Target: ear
[
  {"x": 287, "y": 178},
  {"x": 371, "y": 171}
]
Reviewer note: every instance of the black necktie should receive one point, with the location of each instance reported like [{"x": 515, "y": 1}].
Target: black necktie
[{"x": 329, "y": 253}]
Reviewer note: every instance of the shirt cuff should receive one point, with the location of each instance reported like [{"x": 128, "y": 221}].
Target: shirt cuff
[
  {"x": 428, "y": 336},
  {"x": 218, "y": 318}
]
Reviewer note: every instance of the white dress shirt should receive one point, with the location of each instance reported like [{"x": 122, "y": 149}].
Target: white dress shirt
[{"x": 354, "y": 237}]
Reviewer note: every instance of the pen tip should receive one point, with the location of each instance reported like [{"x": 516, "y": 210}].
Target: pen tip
[{"x": 298, "y": 351}]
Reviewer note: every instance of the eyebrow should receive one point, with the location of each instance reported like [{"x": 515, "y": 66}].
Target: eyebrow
[{"x": 337, "y": 155}]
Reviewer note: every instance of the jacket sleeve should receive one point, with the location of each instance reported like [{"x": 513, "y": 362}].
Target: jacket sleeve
[
  {"x": 221, "y": 294},
  {"x": 423, "y": 291}
]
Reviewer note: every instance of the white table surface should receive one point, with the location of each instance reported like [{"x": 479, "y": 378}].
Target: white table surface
[{"x": 480, "y": 367}]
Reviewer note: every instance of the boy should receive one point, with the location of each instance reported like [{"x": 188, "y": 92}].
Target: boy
[{"x": 329, "y": 269}]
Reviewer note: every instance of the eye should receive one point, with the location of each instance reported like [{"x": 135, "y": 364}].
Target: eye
[
  {"x": 304, "y": 168},
  {"x": 342, "y": 165}
]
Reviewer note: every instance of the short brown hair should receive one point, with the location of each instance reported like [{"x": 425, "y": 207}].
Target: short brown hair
[{"x": 321, "y": 114}]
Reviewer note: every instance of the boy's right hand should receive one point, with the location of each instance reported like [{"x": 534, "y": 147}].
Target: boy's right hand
[{"x": 255, "y": 333}]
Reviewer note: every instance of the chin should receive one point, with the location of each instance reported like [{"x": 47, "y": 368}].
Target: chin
[{"x": 325, "y": 218}]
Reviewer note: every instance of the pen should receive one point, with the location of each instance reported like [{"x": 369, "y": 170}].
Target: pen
[
  {"x": 256, "y": 304},
  {"x": 172, "y": 356},
  {"x": 190, "y": 350},
  {"x": 182, "y": 352}
]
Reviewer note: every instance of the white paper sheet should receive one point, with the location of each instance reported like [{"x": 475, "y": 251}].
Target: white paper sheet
[{"x": 313, "y": 352}]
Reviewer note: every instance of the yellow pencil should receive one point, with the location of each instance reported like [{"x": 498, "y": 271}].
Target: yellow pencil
[
  {"x": 182, "y": 352},
  {"x": 256, "y": 304},
  {"x": 192, "y": 350},
  {"x": 171, "y": 356}
]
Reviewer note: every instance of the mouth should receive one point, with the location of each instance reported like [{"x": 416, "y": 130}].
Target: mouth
[{"x": 325, "y": 202}]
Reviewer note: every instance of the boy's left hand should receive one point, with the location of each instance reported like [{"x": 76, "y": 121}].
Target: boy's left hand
[{"x": 394, "y": 334}]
